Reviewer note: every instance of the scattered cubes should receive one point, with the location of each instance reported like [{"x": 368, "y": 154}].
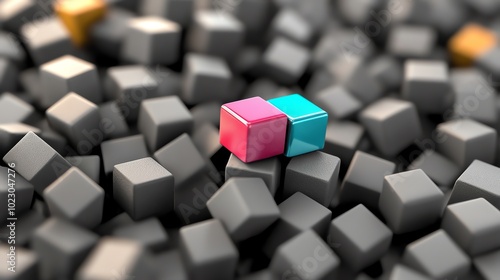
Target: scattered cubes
[
  {"x": 208, "y": 252},
  {"x": 343, "y": 139},
  {"x": 143, "y": 188},
  {"x": 392, "y": 124},
  {"x": 206, "y": 78},
  {"x": 90, "y": 165},
  {"x": 76, "y": 198},
  {"x": 114, "y": 258},
  {"x": 122, "y": 150},
  {"x": 14, "y": 190},
  {"x": 286, "y": 61},
  {"x": 182, "y": 159},
  {"x": 437, "y": 256},
  {"x": 78, "y": 120},
  {"x": 151, "y": 41},
  {"x": 306, "y": 124},
  {"x": 478, "y": 180},
  {"x": 364, "y": 179},
  {"x": 252, "y": 129},
  {"x": 36, "y": 161},
  {"x": 62, "y": 247},
  {"x": 410, "y": 201},
  {"x": 411, "y": 41},
  {"x": 244, "y": 206},
  {"x": 268, "y": 170},
  {"x": 163, "y": 119},
  {"x": 69, "y": 74},
  {"x": 50, "y": 44},
  {"x": 314, "y": 174},
  {"x": 216, "y": 33},
  {"x": 338, "y": 102},
  {"x": 363, "y": 238},
  {"x": 475, "y": 235},
  {"x": 298, "y": 214},
  {"x": 305, "y": 256},
  {"x": 427, "y": 85},
  {"x": 464, "y": 141}
]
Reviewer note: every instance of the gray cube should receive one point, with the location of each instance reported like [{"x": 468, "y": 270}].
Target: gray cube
[
  {"x": 14, "y": 109},
  {"x": 76, "y": 198},
  {"x": 487, "y": 265},
  {"x": 143, "y": 188},
  {"x": 343, "y": 139},
  {"x": 244, "y": 206},
  {"x": 208, "y": 251},
  {"x": 180, "y": 11},
  {"x": 362, "y": 243},
  {"x": 314, "y": 174},
  {"x": 410, "y": 201},
  {"x": 440, "y": 169},
  {"x": 411, "y": 41},
  {"x": 122, "y": 150},
  {"x": 163, "y": 119},
  {"x": 150, "y": 233},
  {"x": 338, "y": 102},
  {"x": 364, "y": 179},
  {"x": 437, "y": 256}
]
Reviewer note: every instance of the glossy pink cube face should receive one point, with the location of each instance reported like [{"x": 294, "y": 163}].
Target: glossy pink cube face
[{"x": 252, "y": 129}]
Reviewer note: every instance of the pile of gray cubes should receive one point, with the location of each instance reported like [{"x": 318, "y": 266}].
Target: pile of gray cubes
[{"x": 112, "y": 149}]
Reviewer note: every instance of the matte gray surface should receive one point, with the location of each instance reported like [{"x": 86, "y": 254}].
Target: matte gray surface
[
  {"x": 314, "y": 174},
  {"x": 411, "y": 41},
  {"x": 478, "y": 180},
  {"x": 215, "y": 33},
  {"x": 285, "y": 61},
  {"x": 297, "y": 257},
  {"x": 169, "y": 266},
  {"x": 403, "y": 272},
  {"x": 475, "y": 235},
  {"x": 76, "y": 198},
  {"x": 364, "y": 179},
  {"x": 410, "y": 201},
  {"x": 191, "y": 199},
  {"x": 392, "y": 124},
  {"x": 108, "y": 34},
  {"x": 163, "y": 119},
  {"x": 464, "y": 141},
  {"x": 68, "y": 74},
  {"x": 337, "y": 102},
  {"x": 487, "y": 265},
  {"x": 268, "y": 169},
  {"x": 180, "y": 11},
  {"x": 182, "y": 159},
  {"x": 61, "y": 247},
  {"x": 427, "y": 85},
  {"x": 298, "y": 213},
  {"x": 78, "y": 119},
  {"x": 441, "y": 170},
  {"x": 149, "y": 233},
  {"x": 362, "y": 243},
  {"x": 14, "y": 109},
  {"x": 437, "y": 256},
  {"x": 206, "y": 78},
  {"x": 122, "y": 150},
  {"x": 208, "y": 251},
  {"x": 11, "y": 133},
  {"x": 113, "y": 122},
  {"x": 151, "y": 41},
  {"x": 143, "y": 188},
  {"x": 291, "y": 25},
  {"x": 36, "y": 161},
  {"x": 8, "y": 75},
  {"x": 244, "y": 206},
  {"x": 388, "y": 71},
  {"x": 343, "y": 139}
]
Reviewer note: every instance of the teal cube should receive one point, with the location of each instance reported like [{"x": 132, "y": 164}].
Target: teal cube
[{"x": 306, "y": 124}]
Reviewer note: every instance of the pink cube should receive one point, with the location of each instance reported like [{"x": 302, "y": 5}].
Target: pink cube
[{"x": 252, "y": 129}]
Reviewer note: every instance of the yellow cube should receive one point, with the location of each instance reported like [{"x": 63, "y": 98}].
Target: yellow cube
[
  {"x": 79, "y": 15},
  {"x": 469, "y": 43}
]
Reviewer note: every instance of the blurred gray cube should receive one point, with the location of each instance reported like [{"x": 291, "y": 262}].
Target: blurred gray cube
[
  {"x": 76, "y": 198},
  {"x": 208, "y": 251},
  {"x": 411, "y": 41},
  {"x": 14, "y": 109},
  {"x": 151, "y": 41},
  {"x": 180, "y": 11},
  {"x": 122, "y": 150}
]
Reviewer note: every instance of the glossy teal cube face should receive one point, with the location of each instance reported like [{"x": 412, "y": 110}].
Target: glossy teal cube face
[{"x": 306, "y": 124}]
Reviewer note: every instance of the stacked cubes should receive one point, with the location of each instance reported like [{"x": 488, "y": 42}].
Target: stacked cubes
[{"x": 254, "y": 129}]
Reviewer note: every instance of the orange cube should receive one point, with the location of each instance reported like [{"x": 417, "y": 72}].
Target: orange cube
[
  {"x": 469, "y": 43},
  {"x": 79, "y": 15}
]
